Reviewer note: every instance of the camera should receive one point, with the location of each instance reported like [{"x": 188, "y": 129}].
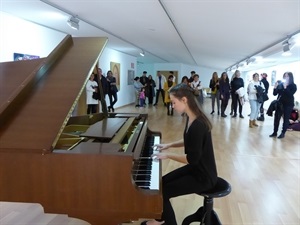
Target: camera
[{"x": 280, "y": 84}]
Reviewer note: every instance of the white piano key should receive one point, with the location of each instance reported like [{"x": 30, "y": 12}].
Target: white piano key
[{"x": 155, "y": 171}]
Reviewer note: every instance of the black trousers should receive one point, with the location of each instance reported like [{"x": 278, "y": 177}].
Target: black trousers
[
  {"x": 91, "y": 109},
  {"x": 177, "y": 183},
  {"x": 113, "y": 98},
  {"x": 236, "y": 102},
  {"x": 224, "y": 103},
  {"x": 285, "y": 113},
  {"x": 162, "y": 91}
]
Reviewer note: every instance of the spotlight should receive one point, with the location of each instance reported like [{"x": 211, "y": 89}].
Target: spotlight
[
  {"x": 286, "y": 48},
  {"x": 73, "y": 22},
  {"x": 142, "y": 54}
]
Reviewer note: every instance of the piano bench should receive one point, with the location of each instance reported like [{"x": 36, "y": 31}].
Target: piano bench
[{"x": 205, "y": 214}]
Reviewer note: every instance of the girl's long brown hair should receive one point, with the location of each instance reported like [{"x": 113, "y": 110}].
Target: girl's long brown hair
[{"x": 183, "y": 90}]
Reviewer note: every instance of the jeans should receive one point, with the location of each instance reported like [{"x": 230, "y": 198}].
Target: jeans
[
  {"x": 215, "y": 97},
  {"x": 112, "y": 95},
  {"x": 254, "y": 106}
]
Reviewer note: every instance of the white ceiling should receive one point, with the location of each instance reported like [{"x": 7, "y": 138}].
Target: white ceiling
[{"x": 208, "y": 33}]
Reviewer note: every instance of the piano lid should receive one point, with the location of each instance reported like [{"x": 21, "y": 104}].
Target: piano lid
[{"x": 35, "y": 122}]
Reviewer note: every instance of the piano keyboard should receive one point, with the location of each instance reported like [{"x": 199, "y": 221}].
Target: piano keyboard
[{"x": 146, "y": 170}]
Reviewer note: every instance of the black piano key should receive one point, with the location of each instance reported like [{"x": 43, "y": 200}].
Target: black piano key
[
  {"x": 141, "y": 172},
  {"x": 142, "y": 177},
  {"x": 142, "y": 183}
]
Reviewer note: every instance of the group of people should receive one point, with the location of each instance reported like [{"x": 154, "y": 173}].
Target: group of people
[
  {"x": 200, "y": 172},
  {"x": 222, "y": 89},
  {"x": 109, "y": 87},
  {"x": 146, "y": 87}
]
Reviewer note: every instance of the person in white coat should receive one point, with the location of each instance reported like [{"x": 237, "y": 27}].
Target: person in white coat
[
  {"x": 254, "y": 104},
  {"x": 91, "y": 87},
  {"x": 196, "y": 85}
]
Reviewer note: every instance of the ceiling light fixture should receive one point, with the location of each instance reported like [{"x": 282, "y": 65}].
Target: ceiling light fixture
[
  {"x": 286, "y": 48},
  {"x": 142, "y": 53},
  {"x": 286, "y": 39},
  {"x": 73, "y": 22}
]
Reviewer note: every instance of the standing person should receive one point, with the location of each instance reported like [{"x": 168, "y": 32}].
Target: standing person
[
  {"x": 236, "y": 84},
  {"x": 285, "y": 90},
  {"x": 112, "y": 90},
  {"x": 144, "y": 81},
  {"x": 231, "y": 94},
  {"x": 91, "y": 87},
  {"x": 137, "y": 87},
  {"x": 215, "y": 95},
  {"x": 142, "y": 97},
  {"x": 185, "y": 80},
  {"x": 167, "y": 86},
  {"x": 191, "y": 79},
  {"x": 160, "y": 80},
  {"x": 151, "y": 89},
  {"x": 104, "y": 85},
  {"x": 196, "y": 84},
  {"x": 224, "y": 89},
  {"x": 199, "y": 172},
  {"x": 266, "y": 84},
  {"x": 254, "y": 103}
]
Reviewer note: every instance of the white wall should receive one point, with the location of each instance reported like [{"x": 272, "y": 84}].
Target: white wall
[
  {"x": 280, "y": 70},
  {"x": 20, "y": 36},
  {"x": 126, "y": 93}
]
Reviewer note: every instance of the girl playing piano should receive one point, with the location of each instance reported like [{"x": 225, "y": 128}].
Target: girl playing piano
[{"x": 199, "y": 172}]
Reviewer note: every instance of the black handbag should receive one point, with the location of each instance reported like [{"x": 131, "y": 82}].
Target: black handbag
[{"x": 96, "y": 95}]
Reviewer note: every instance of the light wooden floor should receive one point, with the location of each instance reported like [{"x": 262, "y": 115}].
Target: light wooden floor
[{"x": 263, "y": 172}]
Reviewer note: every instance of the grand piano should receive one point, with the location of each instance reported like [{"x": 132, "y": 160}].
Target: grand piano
[{"x": 97, "y": 167}]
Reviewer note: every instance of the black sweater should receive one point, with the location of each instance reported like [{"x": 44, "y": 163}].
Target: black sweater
[{"x": 286, "y": 96}]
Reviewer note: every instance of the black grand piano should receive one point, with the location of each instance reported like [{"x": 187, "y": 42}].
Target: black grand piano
[{"x": 97, "y": 167}]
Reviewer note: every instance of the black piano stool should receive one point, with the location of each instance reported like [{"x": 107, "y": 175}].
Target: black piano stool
[{"x": 205, "y": 214}]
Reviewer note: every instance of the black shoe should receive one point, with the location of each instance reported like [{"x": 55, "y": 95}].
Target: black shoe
[
  {"x": 218, "y": 112},
  {"x": 241, "y": 116},
  {"x": 223, "y": 115},
  {"x": 137, "y": 105},
  {"x": 108, "y": 108},
  {"x": 212, "y": 112},
  {"x": 261, "y": 118},
  {"x": 281, "y": 136},
  {"x": 155, "y": 104},
  {"x": 231, "y": 113},
  {"x": 273, "y": 135},
  {"x": 112, "y": 109},
  {"x": 234, "y": 115}
]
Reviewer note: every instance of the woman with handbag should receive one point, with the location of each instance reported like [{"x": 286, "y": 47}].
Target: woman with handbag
[
  {"x": 91, "y": 88},
  {"x": 252, "y": 91},
  {"x": 167, "y": 86},
  {"x": 285, "y": 90},
  {"x": 196, "y": 85}
]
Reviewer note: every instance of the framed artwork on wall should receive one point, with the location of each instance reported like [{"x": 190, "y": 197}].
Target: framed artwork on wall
[
  {"x": 130, "y": 77},
  {"x": 115, "y": 68},
  {"x": 20, "y": 56},
  {"x": 273, "y": 78}
]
